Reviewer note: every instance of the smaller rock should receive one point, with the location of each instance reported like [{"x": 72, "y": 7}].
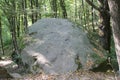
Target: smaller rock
[{"x": 15, "y": 75}]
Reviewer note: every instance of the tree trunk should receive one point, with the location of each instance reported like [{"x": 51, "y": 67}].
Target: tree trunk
[
  {"x": 92, "y": 9},
  {"x": 32, "y": 15},
  {"x": 54, "y": 7},
  {"x": 25, "y": 17},
  {"x": 114, "y": 6},
  {"x": 12, "y": 22},
  {"x": 62, "y": 4},
  {"x": 75, "y": 9},
  {"x": 13, "y": 32},
  {"x": 36, "y": 12},
  {"x": 1, "y": 40},
  {"x": 104, "y": 28},
  {"x": 83, "y": 7},
  {"x": 18, "y": 26},
  {"x": 39, "y": 7},
  {"x": 25, "y": 21}
]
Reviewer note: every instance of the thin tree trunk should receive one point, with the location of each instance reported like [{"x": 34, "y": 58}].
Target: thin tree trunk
[
  {"x": 12, "y": 21},
  {"x": 87, "y": 19},
  {"x": 39, "y": 6},
  {"x": 25, "y": 16},
  {"x": 62, "y": 4},
  {"x": 79, "y": 13},
  {"x": 84, "y": 13},
  {"x": 18, "y": 26},
  {"x": 13, "y": 31},
  {"x": 93, "y": 18},
  {"x": 54, "y": 7},
  {"x": 75, "y": 10},
  {"x": 32, "y": 15},
  {"x": 1, "y": 37},
  {"x": 36, "y": 12},
  {"x": 25, "y": 21}
]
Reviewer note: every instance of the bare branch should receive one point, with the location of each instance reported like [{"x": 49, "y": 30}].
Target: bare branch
[{"x": 91, "y": 4}]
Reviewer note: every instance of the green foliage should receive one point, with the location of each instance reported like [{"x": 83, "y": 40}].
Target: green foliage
[
  {"x": 6, "y": 36},
  {"x": 21, "y": 43},
  {"x": 97, "y": 58},
  {"x": 113, "y": 53}
]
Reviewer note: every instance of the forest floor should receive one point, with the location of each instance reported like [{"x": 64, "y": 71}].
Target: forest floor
[{"x": 78, "y": 75}]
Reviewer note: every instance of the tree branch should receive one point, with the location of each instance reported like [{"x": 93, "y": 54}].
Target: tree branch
[{"x": 91, "y": 4}]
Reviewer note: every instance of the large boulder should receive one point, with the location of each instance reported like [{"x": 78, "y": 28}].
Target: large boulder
[{"x": 57, "y": 46}]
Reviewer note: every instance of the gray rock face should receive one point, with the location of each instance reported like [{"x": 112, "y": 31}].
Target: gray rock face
[{"x": 55, "y": 44}]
